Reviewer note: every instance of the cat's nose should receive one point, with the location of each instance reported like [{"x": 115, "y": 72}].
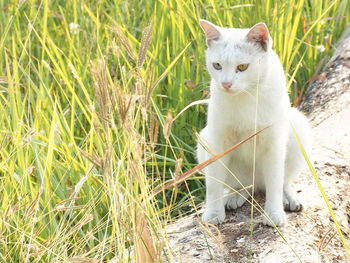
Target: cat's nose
[{"x": 226, "y": 85}]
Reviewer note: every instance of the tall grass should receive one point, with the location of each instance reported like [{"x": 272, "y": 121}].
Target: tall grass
[{"x": 88, "y": 91}]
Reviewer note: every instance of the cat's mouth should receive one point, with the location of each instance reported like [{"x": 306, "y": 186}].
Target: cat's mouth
[{"x": 230, "y": 91}]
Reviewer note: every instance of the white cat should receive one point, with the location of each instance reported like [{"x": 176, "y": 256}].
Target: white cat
[{"x": 247, "y": 93}]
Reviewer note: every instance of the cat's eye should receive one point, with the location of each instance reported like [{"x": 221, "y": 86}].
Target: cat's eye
[
  {"x": 217, "y": 66},
  {"x": 242, "y": 67}
]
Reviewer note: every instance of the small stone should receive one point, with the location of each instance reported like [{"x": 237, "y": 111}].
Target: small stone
[
  {"x": 184, "y": 240},
  {"x": 196, "y": 254}
]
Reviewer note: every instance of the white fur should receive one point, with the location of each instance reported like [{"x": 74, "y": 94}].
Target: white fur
[{"x": 232, "y": 117}]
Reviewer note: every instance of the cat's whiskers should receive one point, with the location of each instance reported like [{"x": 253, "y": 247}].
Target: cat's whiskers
[
  {"x": 260, "y": 85},
  {"x": 240, "y": 92},
  {"x": 247, "y": 92}
]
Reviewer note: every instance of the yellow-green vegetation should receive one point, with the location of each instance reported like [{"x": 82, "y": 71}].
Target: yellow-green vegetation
[{"x": 88, "y": 90}]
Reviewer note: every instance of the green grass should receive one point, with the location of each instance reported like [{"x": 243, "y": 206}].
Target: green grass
[{"x": 85, "y": 113}]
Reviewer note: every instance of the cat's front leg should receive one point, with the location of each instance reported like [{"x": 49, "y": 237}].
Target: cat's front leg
[
  {"x": 215, "y": 177},
  {"x": 272, "y": 163}
]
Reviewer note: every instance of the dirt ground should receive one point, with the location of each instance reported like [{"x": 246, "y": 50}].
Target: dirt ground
[{"x": 308, "y": 236}]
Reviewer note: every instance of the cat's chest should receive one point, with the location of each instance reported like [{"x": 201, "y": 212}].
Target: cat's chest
[
  {"x": 237, "y": 119},
  {"x": 231, "y": 135}
]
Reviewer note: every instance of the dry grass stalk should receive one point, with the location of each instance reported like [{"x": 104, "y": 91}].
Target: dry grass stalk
[
  {"x": 178, "y": 167},
  {"x": 167, "y": 125},
  {"x": 107, "y": 161},
  {"x": 124, "y": 41},
  {"x": 86, "y": 219},
  {"x": 82, "y": 260},
  {"x": 215, "y": 234},
  {"x": 327, "y": 237},
  {"x": 33, "y": 249},
  {"x": 99, "y": 70},
  {"x": 169, "y": 120},
  {"x": 74, "y": 207},
  {"x": 33, "y": 205},
  {"x": 153, "y": 131},
  {"x": 149, "y": 85},
  {"x": 74, "y": 71},
  {"x": 103, "y": 97},
  {"x": 145, "y": 41},
  {"x": 93, "y": 158},
  {"x": 145, "y": 250},
  {"x": 139, "y": 87},
  {"x": 123, "y": 103}
]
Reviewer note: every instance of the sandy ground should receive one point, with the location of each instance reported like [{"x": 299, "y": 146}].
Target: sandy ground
[{"x": 309, "y": 236}]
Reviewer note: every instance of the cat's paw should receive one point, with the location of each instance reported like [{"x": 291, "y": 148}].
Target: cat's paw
[
  {"x": 275, "y": 217},
  {"x": 213, "y": 216},
  {"x": 292, "y": 204},
  {"x": 234, "y": 201}
]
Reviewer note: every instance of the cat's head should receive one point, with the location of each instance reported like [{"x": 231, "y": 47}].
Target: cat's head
[{"x": 237, "y": 59}]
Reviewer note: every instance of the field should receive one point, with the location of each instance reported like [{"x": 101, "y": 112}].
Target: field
[{"x": 89, "y": 91}]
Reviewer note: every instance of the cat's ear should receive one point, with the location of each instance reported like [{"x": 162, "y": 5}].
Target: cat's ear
[
  {"x": 260, "y": 34},
  {"x": 210, "y": 30}
]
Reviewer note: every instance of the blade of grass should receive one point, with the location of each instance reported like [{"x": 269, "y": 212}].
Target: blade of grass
[{"x": 324, "y": 195}]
